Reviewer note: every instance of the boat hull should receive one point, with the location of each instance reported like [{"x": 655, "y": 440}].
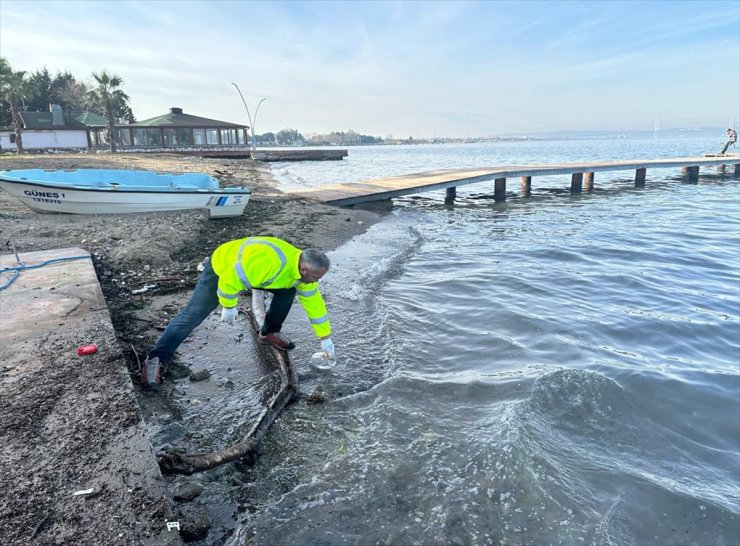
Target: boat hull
[{"x": 47, "y": 197}]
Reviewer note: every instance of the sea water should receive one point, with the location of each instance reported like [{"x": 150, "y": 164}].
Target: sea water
[{"x": 555, "y": 369}]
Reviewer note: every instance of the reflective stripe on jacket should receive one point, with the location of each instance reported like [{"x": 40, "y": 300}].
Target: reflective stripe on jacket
[{"x": 266, "y": 263}]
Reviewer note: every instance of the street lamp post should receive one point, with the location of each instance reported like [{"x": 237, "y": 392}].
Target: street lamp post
[
  {"x": 256, "y": 111},
  {"x": 251, "y": 121}
]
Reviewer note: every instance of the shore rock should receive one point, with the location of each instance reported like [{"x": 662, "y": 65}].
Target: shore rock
[
  {"x": 195, "y": 521},
  {"x": 200, "y": 375},
  {"x": 188, "y": 491}
]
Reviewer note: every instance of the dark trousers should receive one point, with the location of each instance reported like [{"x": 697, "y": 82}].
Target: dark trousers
[
  {"x": 282, "y": 301},
  {"x": 202, "y": 302},
  {"x": 727, "y": 145}
]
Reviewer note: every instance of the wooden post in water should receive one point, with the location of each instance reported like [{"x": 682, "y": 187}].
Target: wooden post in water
[
  {"x": 499, "y": 189},
  {"x": 526, "y": 185},
  {"x": 692, "y": 173},
  {"x": 450, "y": 195},
  {"x": 736, "y": 174},
  {"x": 576, "y": 182},
  {"x": 640, "y": 177},
  {"x": 588, "y": 182},
  {"x": 721, "y": 169}
]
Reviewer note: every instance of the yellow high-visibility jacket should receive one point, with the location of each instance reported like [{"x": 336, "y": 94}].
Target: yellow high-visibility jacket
[{"x": 265, "y": 263}]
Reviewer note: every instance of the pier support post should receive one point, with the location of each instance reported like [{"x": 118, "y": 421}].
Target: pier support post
[
  {"x": 692, "y": 173},
  {"x": 736, "y": 174},
  {"x": 640, "y": 177},
  {"x": 576, "y": 182},
  {"x": 450, "y": 195},
  {"x": 526, "y": 185},
  {"x": 721, "y": 169},
  {"x": 588, "y": 182},
  {"x": 499, "y": 189}
]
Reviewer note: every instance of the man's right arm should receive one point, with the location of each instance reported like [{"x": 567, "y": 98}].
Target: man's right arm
[{"x": 229, "y": 287}]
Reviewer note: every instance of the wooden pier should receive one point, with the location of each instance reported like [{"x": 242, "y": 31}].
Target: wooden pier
[
  {"x": 299, "y": 154},
  {"x": 327, "y": 153},
  {"x": 582, "y": 177}
]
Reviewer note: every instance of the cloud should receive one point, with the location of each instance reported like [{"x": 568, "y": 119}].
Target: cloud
[{"x": 417, "y": 68}]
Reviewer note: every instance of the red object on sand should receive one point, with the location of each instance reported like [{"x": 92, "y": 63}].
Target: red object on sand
[{"x": 87, "y": 350}]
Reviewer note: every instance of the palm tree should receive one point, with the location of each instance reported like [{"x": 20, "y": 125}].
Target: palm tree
[
  {"x": 12, "y": 89},
  {"x": 109, "y": 98}
]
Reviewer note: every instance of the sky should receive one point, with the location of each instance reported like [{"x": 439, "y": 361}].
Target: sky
[{"x": 420, "y": 69}]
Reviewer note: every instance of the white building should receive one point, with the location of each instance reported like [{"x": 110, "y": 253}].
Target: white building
[{"x": 50, "y": 131}]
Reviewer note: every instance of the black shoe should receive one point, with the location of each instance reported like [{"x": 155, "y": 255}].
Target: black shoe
[
  {"x": 277, "y": 340},
  {"x": 150, "y": 374}
]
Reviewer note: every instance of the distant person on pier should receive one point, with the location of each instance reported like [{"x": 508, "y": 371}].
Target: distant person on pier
[
  {"x": 731, "y": 139},
  {"x": 262, "y": 263}
]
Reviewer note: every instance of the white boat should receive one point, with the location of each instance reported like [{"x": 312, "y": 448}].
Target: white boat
[{"x": 105, "y": 191}]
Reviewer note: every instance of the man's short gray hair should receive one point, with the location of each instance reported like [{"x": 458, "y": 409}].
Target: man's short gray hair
[{"x": 315, "y": 259}]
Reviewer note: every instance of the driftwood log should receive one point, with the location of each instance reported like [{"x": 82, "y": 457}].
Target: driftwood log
[{"x": 182, "y": 463}]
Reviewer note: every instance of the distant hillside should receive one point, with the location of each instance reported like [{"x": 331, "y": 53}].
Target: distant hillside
[{"x": 693, "y": 132}]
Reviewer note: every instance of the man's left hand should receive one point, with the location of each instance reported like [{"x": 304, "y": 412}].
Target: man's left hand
[{"x": 327, "y": 345}]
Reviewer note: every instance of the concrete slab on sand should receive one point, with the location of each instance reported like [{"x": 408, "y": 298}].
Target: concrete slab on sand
[{"x": 70, "y": 423}]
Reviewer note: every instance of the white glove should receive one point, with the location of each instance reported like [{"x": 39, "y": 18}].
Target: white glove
[
  {"x": 228, "y": 314},
  {"x": 327, "y": 345}
]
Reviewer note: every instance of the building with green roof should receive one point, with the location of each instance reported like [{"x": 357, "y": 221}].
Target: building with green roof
[
  {"x": 88, "y": 119},
  {"x": 171, "y": 132},
  {"x": 179, "y": 130},
  {"x": 53, "y": 130}
]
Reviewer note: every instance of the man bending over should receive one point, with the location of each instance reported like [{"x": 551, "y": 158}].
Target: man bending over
[{"x": 262, "y": 263}]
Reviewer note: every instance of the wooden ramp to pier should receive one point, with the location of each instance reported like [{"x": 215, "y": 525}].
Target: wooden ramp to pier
[{"x": 380, "y": 189}]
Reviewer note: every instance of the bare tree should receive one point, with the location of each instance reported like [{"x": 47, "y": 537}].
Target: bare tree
[{"x": 72, "y": 96}]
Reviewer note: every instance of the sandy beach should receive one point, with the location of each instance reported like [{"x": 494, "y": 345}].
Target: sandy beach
[{"x": 160, "y": 251}]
